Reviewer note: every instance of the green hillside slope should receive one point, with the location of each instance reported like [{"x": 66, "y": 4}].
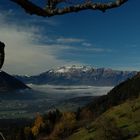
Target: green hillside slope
[{"x": 118, "y": 123}]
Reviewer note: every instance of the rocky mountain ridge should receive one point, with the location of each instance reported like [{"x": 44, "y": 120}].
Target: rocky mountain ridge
[{"x": 79, "y": 75}]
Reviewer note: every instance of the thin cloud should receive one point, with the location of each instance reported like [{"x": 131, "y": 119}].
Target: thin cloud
[
  {"x": 86, "y": 44},
  {"x": 69, "y": 40},
  {"x": 48, "y": 22},
  {"x": 23, "y": 54},
  {"x": 94, "y": 49}
]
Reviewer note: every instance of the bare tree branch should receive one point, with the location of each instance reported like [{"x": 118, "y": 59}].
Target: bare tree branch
[
  {"x": 52, "y": 9},
  {"x": 3, "y": 138}
]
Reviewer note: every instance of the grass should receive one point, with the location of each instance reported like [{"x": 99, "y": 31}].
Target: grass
[{"x": 123, "y": 119}]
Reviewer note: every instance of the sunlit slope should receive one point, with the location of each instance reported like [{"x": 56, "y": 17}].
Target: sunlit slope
[{"x": 118, "y": 123}]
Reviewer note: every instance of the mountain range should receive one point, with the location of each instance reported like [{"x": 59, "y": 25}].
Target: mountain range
[{"x": 79, "y": 75}]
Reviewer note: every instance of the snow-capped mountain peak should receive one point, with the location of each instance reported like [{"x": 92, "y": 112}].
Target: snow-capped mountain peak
[
  {"x": 66, "y": 69},
  {"x": 62, "y": 70}
]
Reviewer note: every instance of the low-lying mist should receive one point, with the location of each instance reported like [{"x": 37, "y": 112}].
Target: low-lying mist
[
  {"x": 41, "y": 98},
  {"x": 71, "y": 91}
]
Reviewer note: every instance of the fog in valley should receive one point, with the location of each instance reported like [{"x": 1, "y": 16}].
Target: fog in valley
[
  {"x": 42, "y": 98},
  {"x": 67, "y": 92}
]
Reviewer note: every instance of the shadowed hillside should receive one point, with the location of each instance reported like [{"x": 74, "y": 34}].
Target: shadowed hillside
[{"x": 10, "y": 83}]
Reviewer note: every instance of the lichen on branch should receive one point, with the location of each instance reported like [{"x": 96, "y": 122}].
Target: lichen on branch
[{"x": 52, "y": 7}]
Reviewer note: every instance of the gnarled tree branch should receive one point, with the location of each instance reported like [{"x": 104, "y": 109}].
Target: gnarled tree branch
[{"x": 32, "y": 8}]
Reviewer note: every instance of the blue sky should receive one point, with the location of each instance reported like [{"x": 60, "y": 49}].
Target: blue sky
[{"x": 35, "y": 44}]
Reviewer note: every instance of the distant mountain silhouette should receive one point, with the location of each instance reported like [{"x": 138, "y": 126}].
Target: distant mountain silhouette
[
  {"x": 79, "y": 75},
  {"x": 10, "y": 83}
]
